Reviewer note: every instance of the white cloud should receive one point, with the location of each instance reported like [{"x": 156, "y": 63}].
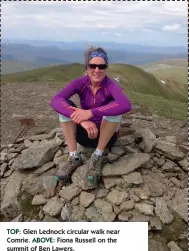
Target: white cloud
[
  {"x": 173, "y": 27},
  {"x": 71, "y": 19}
]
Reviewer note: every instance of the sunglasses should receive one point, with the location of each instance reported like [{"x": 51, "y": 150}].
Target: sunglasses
[{"x": 100, "y": 66}]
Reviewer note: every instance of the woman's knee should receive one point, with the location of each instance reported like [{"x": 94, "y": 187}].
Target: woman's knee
[
  {"x": 113, "y": 118},
  {"x": 63, "y": 118}
]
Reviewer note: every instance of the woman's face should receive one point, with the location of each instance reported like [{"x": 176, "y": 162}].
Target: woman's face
[{"x": 95, "y": 74}]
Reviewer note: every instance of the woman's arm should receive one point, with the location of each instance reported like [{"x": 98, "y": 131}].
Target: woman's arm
[
  {"x": 59, "y": 101},
  {"x": 120, "y": 105}
]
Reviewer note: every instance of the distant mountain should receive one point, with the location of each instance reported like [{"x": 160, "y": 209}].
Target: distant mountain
[
  {"x": 50, "y": 54},
  {"x": 81, "y": 45}
]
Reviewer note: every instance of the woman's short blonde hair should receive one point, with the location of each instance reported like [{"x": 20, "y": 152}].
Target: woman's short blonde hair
[{"x": 90, "y": 50}]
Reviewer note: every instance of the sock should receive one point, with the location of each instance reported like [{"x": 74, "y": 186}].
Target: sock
[
  {"x": 74, "y": 154},
  {"x": 98, "y": 152}
]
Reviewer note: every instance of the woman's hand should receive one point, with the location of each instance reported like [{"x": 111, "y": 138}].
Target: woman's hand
[
  {"x": 91, "y": 129},
  {"x": 80, "y": 115}
]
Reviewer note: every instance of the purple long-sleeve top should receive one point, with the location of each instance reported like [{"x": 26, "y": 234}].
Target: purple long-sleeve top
[{"x": 108, "y": 101}]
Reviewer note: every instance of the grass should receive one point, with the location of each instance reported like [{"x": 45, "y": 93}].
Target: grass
[
  {"x": 178, "y": 71},
  {"x": 160, "y": 106},
  {"x": 28, "y": 210},
  {"x": 137, "y": 80},
  {"x": 179, "y": 75},
  {"x": 60, "y": 73}
]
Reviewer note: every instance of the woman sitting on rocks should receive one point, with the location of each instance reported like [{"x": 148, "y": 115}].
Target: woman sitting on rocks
[{"x": 96, "y": 123}]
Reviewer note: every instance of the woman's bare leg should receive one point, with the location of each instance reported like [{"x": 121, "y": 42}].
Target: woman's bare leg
[
  {"x": 107, "y": 129},
  {"x": 69, "y": 132}
]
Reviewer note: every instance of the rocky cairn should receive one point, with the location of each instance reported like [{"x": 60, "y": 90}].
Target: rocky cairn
[{"x": 144, "y": 178}]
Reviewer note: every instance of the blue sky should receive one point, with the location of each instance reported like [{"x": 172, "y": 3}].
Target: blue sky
[{"x": 149, "y": 23}]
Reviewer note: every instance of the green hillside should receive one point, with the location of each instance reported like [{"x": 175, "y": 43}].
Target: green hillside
[
  {"x": 16, "y": 66},
  {"x": 142, "y": 87},
  {"x": 52, "y": 74},
  {"x": 170, "y": 62},
  {"x": 131, "y": 79},
  {"x": 166, "y": 70},
  {"x": 137, "y": 80}
]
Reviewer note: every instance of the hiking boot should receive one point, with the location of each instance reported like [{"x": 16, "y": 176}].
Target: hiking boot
[
  {"x": 65, "y": 172},
  {"x": 95, "y": 169}
]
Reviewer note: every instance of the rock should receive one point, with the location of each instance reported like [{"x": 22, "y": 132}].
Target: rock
[
  {"x": 155, "y": 245},
  {"x": 124, "y": 216},
  {"x": 58, "y": 154},
  {"x": 125, "y": 140},
  {"x": 10, "y": 205},
  {"x": 11, "y": 156},
  {"x": 4, "y": 168},
  {"x": 18, "y": 218},
  {"x": 133, "y": 195},
  {"x": 41, "y": 137},
  {"x": 75, "y": 201},
  {"x": 142, "y": 193},
  {"x": 49, "y": 186},
  {"x": 172, "y": 139},
  {"x": 39, "y": 200},
  {"x": 155, "y": 223},
  {"x": 60, "y": 159},
  {"x": 138, "y": 217},
  {"x": 180, "y": 205},
  {"x": 101, "y": 193},
  {"x": 118, "y": 151},
  {"x": 86, "y": 198},
  {"x": 126, "y": 164},
  {"x": 49, "y": 218},
  {"x": 27, "y": 143},
  {"x": 92, "y": 215},
  {"x": 147, "y": 138},
  {"x": 70, "y": 192},
  {"x": 129, "y": 149},
  {"x": 35, "y": 157},
  {"x": 110, "y": 182},
  {"x": 78, "y": 213},
  {"x": 8, "y": 173},
  {"x": 156, "y": 187},
  {"x": 127, "y": 205},
  {"x": 173, "y": 246},
  {"x": 183, "y": 235},
  {"x": 32, "y": 184},
  {"x": 79, "y": 178},
  {"x": 10, "y": 162},
  {"x": 125, "y": 193},
  {"x": 53, "y": 206},
  {"x": 66, "y": 212},
  {"x": 184, "y": 164},
  {"x": 112, "y": 157},
  {"x": 44, "y": 168},
  {"x": 183, "y": 148},
  {"x": 116, "y": 209},
  {"x": 162, "y": 211},
  {"x": 105, "y": 209},
  {"x": 145, "y": 208},
  {"x": 133, "y": 178},
  {"x": 169, "y": 166},
  {"x": 116, "y": 197},
  {"x": 176, "y": 182},
  {"x": 161, "y": 161},
  {"x": 169, "y": 150}
]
